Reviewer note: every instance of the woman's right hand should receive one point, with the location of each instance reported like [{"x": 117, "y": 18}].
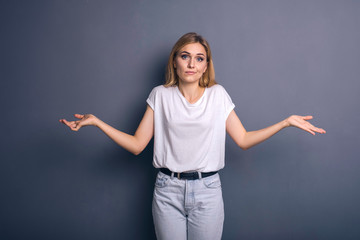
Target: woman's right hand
[{"x": 84, "y": 120}]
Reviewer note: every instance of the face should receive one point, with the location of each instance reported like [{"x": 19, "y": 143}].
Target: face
[{"x": 190, "y": 63}]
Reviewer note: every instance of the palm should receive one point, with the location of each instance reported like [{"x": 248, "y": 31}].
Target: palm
[{"x": 302, "y": 123}]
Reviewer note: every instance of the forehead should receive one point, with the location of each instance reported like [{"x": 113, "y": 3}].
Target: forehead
[{"x": 193, "y": 48}]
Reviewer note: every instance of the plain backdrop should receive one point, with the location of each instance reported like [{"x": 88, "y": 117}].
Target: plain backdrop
[{"x": 275, "y": 58}]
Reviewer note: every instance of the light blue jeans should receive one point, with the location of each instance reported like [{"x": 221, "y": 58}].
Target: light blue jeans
[{"x": 188, "y": 209}]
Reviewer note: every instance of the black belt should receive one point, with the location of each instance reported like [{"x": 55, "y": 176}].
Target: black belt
[{"x": 187, "y": 175}]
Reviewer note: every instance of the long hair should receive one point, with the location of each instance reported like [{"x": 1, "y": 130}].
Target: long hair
[{"x": 208, "y": 78}]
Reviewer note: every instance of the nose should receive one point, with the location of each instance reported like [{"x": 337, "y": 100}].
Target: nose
[{"x": 191, "y": 63}]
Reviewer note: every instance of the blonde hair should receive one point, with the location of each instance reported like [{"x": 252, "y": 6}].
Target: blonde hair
[{"x": 208, "y": 78}]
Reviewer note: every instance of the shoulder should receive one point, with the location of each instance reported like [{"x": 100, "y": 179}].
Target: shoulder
[
  {"x": 217, "y": 88},
  {"x": 162, "y": 89},
  {"x": 219, "y": 93},
  {"x": 158, "y": 88}
]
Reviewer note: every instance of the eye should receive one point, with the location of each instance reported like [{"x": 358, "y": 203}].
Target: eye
[
  {"x": 184, "y": 57},
  {"x": 200, "y": 59}
]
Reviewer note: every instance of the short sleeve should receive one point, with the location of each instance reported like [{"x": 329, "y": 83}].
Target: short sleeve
[
  {"x": 228, "y": 104},
  {"x": 151, "y": 99}
]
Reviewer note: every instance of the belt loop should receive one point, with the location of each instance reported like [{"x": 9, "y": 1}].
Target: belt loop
[
  {"x": 178, "y": 175},
  {"x": 172, "y": 174},
  {"x": 200, "y": 176}
]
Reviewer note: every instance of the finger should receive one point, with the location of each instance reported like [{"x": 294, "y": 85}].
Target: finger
[
  {"x": 77, "y": 125},
  {"x": 316, "y": 129},
  {"x": 310, "y": 131},
  {"x": 71, "y": 125},
  {"x": 307, "y": 117},
  {"x": 74, "y": 126},
  {"x": 65, "y": 122},
  {"x": 79, "y": 115},
  {"x": 307, "y": 127},
  {"x": 320, "y": 130}
]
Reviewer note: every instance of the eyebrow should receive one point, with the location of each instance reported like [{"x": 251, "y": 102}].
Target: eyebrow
[{"x": 190, "y": 54}]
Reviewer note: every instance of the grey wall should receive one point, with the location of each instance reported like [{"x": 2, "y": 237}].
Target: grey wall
[{"x": 275, "y": 58}]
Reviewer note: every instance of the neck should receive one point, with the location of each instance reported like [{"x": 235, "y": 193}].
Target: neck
[{"x": 191, "y": 91}]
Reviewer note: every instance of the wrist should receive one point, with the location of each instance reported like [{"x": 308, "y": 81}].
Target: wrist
[
  {"x": 285, "y": 123},
  {"x": 96, "y": 122}
]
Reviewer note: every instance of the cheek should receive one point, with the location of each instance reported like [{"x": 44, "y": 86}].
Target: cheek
[
  {"x": 203, "y": 69},
  {"x": 180, "y": 67},
  {"x": 177, "y": 64},
  {"x": 178, "y": 72}
]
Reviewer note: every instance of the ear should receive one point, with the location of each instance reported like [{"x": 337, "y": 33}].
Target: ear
[{"x": 174, "y": 64}]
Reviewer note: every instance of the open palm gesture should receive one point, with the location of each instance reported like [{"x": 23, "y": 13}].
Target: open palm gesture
[{"x": 302, "y": 123}]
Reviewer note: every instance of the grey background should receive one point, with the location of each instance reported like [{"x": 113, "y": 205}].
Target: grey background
[{"x": 275, "y": 58}]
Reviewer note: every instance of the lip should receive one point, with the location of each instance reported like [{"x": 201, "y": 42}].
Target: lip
[{"x": 190, "y": 72}]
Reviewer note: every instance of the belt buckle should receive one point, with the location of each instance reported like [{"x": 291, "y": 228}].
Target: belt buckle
[{"x": 178, "y": 176}]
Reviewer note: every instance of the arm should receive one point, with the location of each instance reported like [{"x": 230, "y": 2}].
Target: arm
[
  {"x": 132, "y": 143},
  {"x": 246, "y": 140}
]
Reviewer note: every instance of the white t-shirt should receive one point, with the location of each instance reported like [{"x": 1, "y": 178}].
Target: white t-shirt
[{"x": 189, "y": 137}]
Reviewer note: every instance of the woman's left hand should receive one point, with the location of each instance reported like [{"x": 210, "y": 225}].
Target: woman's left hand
[{"x": 302, "y": 123}]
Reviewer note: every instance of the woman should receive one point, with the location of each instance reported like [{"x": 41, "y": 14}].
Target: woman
[{"x": 189, "y": 117}]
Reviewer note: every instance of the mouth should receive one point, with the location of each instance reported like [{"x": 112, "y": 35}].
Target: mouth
[{"x": 190, "y": 72}]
